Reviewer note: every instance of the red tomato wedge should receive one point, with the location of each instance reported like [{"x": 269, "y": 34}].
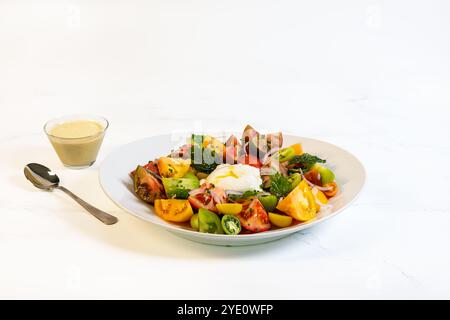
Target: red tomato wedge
[
  {"x": 207, "y": 197},
  {"x": 152, "y": 167},
  {"x": 254, "y": 218},
  {"x": 202, "y": 200},
  {"x": 149, "y": 166}
]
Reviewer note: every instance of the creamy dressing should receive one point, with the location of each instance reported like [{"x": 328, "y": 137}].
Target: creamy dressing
[
  {"x": 76, "y": 129},
  {"x": 77, "y": 142}
]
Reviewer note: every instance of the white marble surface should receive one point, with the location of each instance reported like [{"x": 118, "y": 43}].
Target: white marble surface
[{"x": 370, "y": 76}]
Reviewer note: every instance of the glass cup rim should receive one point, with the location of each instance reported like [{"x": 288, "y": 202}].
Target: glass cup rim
[{"x": 81, "y": 116}]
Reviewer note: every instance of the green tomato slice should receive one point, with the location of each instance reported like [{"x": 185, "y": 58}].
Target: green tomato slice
[
  {"x": 231, "y": 224},
  {"x": 269, "y": 202},
  {"x": 194, "y": 222},
  {"x": 209, "y": 222},
  {"x": 179, "y": 188},
  {"x": 295, "y": 179},
  {"x": 286, "y": 154},
  {"x": 326, "y": 175},
  {"x": 191, "y": 176}
]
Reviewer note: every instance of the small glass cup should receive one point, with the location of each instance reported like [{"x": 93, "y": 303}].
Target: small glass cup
[{"x": 75, "y": 148}]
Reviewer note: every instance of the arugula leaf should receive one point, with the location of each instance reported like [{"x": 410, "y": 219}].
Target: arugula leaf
[
  {"x": 250, "y": 193},
  {"x": 279, "y": 185},
  {"x": 245, "y": 195},
  {"x": 305, "y": 161}
]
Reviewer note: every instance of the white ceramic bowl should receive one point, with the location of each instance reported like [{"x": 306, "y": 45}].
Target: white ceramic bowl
[{"x": 117, "y": 184}]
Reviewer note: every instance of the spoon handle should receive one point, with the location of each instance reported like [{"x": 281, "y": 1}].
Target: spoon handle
[{"x": 99, "y": 214}]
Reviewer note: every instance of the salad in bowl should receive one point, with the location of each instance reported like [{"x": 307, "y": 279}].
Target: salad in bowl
[{"x": 236, "y": 186}]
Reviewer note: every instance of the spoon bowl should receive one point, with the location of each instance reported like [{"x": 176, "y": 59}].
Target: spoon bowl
[{"x": 41, "y": 176}]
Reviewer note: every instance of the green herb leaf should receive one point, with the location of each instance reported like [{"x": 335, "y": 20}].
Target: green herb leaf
[
  {"x": 247, "y": 194},
  {"x": 279, "y": 185},
  {"x": 305, "y": 161},
  {"x": 250, "y": 193},
  {"x": 203, "y": 159}
]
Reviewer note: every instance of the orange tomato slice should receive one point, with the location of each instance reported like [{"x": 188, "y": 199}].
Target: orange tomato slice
[
  {"x": 173, "y": 210},
  {"x": 299, "y": 203}
]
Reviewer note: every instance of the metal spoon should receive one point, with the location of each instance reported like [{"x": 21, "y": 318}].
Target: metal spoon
[{"x": 42, "y": 177}]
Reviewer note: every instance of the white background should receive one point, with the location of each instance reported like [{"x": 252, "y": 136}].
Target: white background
[{"x": 370, "y": 76}]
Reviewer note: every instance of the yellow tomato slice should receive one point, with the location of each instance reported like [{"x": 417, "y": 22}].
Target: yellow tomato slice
[
  {"x": 213, "y": 143},
  {"x": 320, "y": 198},
  {"x": 280, "y": 220},
  {"x": 229, "y": 208},
  {"x": 173, "y": 168},
  {"x": 297, "y": 149},
  {"x": 299, "y": 203},
  {"x": 206, "y": 141},
  {"x": 173, "y": 210}
]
